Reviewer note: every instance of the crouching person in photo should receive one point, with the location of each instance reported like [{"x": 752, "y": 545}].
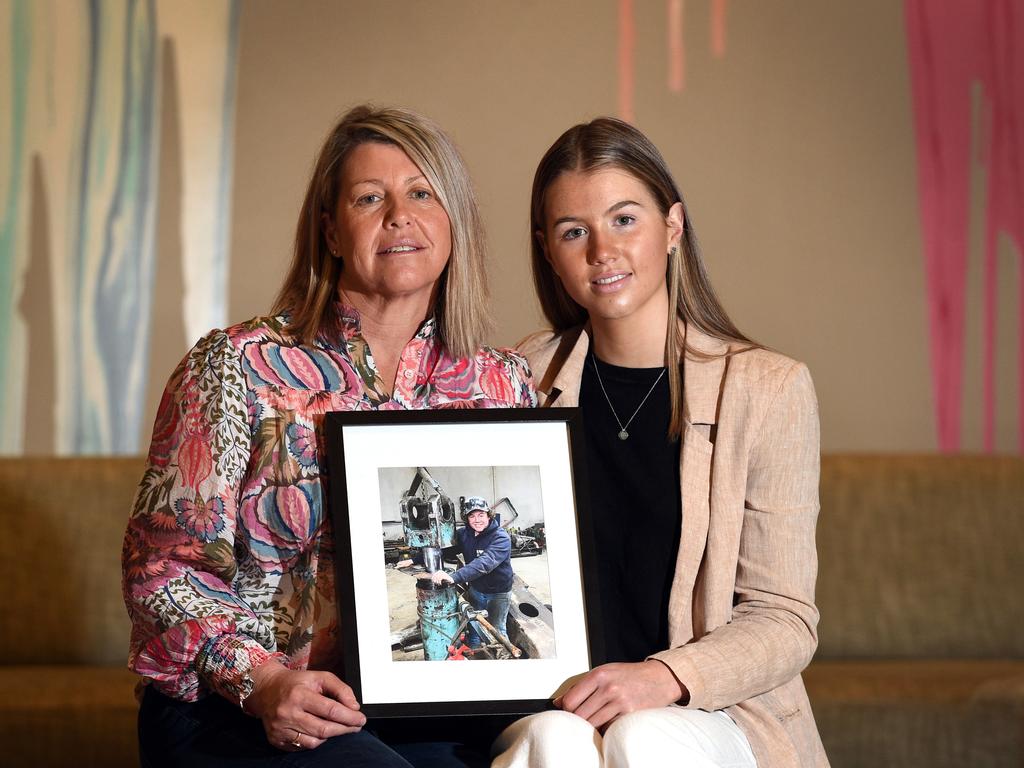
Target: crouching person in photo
[{"x": 487, "y": 574}]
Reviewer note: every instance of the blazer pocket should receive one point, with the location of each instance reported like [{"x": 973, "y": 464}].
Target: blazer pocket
[{"x": 780, "y": 707}]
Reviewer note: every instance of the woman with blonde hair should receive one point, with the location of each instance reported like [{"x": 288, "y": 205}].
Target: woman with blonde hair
[
  {"x": 702, "y": 454},
  {"x": 228, "y": 558}
]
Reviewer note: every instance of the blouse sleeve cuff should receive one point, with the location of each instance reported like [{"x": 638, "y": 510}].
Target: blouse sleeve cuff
[{"x": 225, "y": 661}]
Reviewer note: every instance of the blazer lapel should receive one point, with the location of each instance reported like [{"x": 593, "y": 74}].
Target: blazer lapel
[
  {"x": 702, "y": 381},
  {"x": 702, "y": 377},
  {"x": 561, "y": 383}
]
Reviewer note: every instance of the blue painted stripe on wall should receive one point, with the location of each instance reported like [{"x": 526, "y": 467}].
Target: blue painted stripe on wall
[
  {"x": 114, "y": 264},
  {"x": 123, "y": 293},
  {"x": 82, "y": 220}
]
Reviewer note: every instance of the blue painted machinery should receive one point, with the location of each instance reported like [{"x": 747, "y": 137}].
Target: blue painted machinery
[
  {"x": 439, "y": 621},
  {"x": 428, "y": 522}
]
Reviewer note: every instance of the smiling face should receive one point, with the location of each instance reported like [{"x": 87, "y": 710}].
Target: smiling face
[
  {"x": 477, "y": 520},
  {"x": 389, "y": 228},
  {"x": 607, "y": 241}
]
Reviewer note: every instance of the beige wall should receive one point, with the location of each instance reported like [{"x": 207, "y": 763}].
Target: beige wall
[{"x": 795, "y": 152}]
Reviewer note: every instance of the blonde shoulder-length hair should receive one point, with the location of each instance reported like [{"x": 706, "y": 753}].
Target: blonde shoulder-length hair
[
  {"x": 311, "y": 285},
  {"x": 610, "y": 143}
]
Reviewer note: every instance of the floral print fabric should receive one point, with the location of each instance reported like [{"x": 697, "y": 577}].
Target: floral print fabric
[{"x": 228, "y": 556}]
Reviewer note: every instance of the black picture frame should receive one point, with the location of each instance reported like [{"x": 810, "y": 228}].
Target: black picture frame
[{"x": 454, "y": 441}]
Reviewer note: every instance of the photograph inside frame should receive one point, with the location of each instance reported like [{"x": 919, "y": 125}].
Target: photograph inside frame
[{"x": 466, "y": 565}]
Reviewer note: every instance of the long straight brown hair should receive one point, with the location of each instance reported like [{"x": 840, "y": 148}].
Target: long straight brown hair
[
  {"x": 610, "y": 143},
  {"x": 311, "y": 285}
]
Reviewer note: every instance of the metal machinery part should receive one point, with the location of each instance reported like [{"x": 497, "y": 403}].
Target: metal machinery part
[
  {"x": 428, "y": 518},
  {"x": 439, "y": 617},
  {"x": 524, "y": 543},
  {"x": 428, "y": 522}
]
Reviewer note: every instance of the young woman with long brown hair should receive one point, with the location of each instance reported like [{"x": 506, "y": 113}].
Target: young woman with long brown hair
[{"x": 702, "y": 451}]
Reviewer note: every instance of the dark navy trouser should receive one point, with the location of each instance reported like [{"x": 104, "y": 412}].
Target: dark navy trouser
[{"x": 214, "y": 732}]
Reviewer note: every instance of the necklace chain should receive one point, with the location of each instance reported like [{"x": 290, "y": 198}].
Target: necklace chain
[{"x": 623, "y": 433}]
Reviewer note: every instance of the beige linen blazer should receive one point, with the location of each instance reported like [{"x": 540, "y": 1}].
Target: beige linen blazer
[{"x": 742, "y": 620}]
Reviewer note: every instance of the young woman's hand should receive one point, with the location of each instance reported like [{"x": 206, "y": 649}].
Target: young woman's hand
[
  {"x": 300, "y": 710},
  {"x": 612, "y": 690}
]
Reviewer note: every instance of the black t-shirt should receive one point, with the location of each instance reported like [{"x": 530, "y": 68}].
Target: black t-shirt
[{"x": 635, "y": 505}]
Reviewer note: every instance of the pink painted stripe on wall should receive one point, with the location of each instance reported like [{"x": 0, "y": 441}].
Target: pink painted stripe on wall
[
  {"x": 941, "y": 100},
  {"x": 718, "y": 28},
  {"x": 952, "y": 46},
  {"x": 627, "y": 38},
  {"x": 676, "y": 52}
]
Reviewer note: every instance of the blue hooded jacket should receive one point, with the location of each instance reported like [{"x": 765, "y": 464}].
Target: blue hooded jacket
[{"x": 488, "y": 565}]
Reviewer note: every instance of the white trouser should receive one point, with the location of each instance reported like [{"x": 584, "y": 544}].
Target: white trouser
[{"x": 688, "y": 738}]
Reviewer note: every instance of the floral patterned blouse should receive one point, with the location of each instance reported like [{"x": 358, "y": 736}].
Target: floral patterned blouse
[{"x": 228, "y": 555}]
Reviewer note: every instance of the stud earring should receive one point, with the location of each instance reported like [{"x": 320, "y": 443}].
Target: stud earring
[{"x": 672, "y": 252}]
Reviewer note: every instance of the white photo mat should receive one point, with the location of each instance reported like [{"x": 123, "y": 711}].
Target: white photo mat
[{"x": 545, "y": 444}]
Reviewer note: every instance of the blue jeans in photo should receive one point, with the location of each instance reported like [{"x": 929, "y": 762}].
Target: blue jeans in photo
[{"x": 495, "y": 603}]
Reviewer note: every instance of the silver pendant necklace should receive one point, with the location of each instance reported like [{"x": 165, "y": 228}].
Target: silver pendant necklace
[{"x": 623, "y": 433}]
